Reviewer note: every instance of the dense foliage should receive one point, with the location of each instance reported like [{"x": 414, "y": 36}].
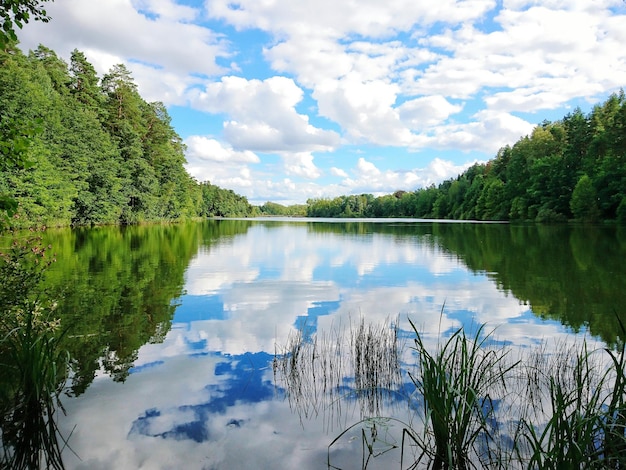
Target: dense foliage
[
  {"x": 273, "y": 208},
  {"x": 574, "y": 168},
  {"x": 79, "y": 149}
]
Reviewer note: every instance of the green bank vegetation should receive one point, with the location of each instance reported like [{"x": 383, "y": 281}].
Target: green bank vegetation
[
  {"x": 470, "y": 402},
  {"x": 574, "y": 168},
  {"x": 78, "y": 149}
]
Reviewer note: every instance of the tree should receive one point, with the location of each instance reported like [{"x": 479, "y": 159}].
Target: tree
[
  {"x": 19, "y": 122},
  {"x": 15, "y": 135},
  {"x": 84, "y": 81},
  {"x": 55, "y": 67},
  {"x": 584, "y": 202},
  {"x": 18, "y": 13}
]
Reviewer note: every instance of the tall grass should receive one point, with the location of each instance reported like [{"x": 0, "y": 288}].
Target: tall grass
[
  {"x": 321, "y": 371},
  {"x": 33, "y": 366},
  {"x": 480, "y": 404},
  {"x": 375, "y": 364},
  {"x": 586, "y": 412},
  {"x": 457, "y": 383},
  {"x": 34, "y": 371}
]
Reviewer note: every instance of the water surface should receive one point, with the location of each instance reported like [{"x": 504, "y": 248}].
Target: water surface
[{"x": 174, "y": 328}]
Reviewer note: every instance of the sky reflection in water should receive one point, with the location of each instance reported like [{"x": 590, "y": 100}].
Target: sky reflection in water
[{"x": 206, "y": 398}]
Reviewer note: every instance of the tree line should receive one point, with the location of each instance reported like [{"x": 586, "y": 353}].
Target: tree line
[
  {"x": 574, "y": 168},
  {"x": 79, "y": 149}
]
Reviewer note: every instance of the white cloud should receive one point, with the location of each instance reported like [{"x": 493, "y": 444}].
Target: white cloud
[
  {"x": 369, "y": 18},
  {"x": 440, "y": 170},
  {"x": 367, "y": 178},
  {"x": 487, "y": 133},
  {"x": 263, "y": 115},
  {"x": 205, "y": 148},
  {"x": 363, "y": 109},
  {"x": 301, "y": 164},
  {"x": 119, "y": 29},
  {"x": 426, "y": 111},
  {"x": 210, "y": 160},
  {"x": 554, "y": 53},
  {"x": 338, "y": 172},
  {"x": 367, "y": 169},
  {"x": 166, "y": 9}
]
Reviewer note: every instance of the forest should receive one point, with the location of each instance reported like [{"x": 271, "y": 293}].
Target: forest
[
  {"x": 78, "y": 149},
  {"x": 571, "y": 169}
]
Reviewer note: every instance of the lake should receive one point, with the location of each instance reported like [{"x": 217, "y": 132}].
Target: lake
[{"x": 173, "y": 329}]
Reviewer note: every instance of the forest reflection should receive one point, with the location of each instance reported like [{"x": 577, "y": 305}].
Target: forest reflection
[{"x": 132, "y": 298}]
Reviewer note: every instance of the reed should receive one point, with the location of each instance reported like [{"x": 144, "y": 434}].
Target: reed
[
  {"x": 376, "y": 439},
  {"x": 320, "y": 371},
  {"x": 480, "y": 404},
  {"x": 34, "y": 371},
  {"x": 33, "y": 365},
  {"x": 375, "y": 364},
  {"x": 586, "y": 413},
  {"x": 457, "y": 384}
]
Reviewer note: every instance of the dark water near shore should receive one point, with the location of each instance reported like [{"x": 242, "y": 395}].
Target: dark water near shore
[{"x": 173, "y": 329}]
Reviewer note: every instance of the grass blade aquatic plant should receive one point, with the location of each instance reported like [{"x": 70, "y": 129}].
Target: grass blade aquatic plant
[
  {"x": 33, "y": 366},
  {"x": 457, "y": 383},
  {"x": 376, "y": 439},
  {"x": 586, "y": 418},
  {"x": 34, "y": 372},
  {"x": 481, "y": 407}
]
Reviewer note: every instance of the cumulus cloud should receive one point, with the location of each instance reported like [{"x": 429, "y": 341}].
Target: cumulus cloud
[
  {"x": 263, "y": 115},
  {"x": 367, "y": 178},
  {"x": 557, "y": 51},
  {"x": 364, "y": 109},
  {"x": 301, "y": 164},
  {"x": 211, "y": 160},
  {"x": 369, "y": 18},
  {"x": 367, "y": 169},
  {"x": 338, "y": 172},
  {"x": 155, "y": 32},
  {"x": 426, "y": 111},
  {"x": 205, "y": 148},
  {"x": 487, "y": 132}
]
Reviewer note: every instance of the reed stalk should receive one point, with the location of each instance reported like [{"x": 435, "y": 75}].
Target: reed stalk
[
  {"x": 36, "y": 369},
  {"x": 457, "y": 383},
  {"x": 586, "y": 416},
  {"x": 548, "y": 408},
  {"x": 33, "y": 365}
]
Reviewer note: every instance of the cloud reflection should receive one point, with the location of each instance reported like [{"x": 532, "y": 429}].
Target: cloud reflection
[
  {"x": 205, "y": 396},
  {"x": 257, "y": 285}
]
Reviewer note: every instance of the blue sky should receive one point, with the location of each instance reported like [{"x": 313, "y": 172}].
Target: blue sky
[{"x": 286, "y": 100}]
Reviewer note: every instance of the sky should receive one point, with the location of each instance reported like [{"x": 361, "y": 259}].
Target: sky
[{"x": 287, "y": 100}]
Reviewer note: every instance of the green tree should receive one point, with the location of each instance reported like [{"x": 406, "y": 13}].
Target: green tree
[
  {"x": 124, "y": 121},
  {"x": 84, "y": 81},
  {"x": 584, "y": 202},
  {"x": 496, "y": 204},
  {"x": 26, "y": 101},
  {"x": 15, "y": 132},
  {"x": 55, "y": 67},
  {"x": 16, "y": 13}
]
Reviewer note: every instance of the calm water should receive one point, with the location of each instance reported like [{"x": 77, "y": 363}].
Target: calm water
[{"x": 174, "y": 328}]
